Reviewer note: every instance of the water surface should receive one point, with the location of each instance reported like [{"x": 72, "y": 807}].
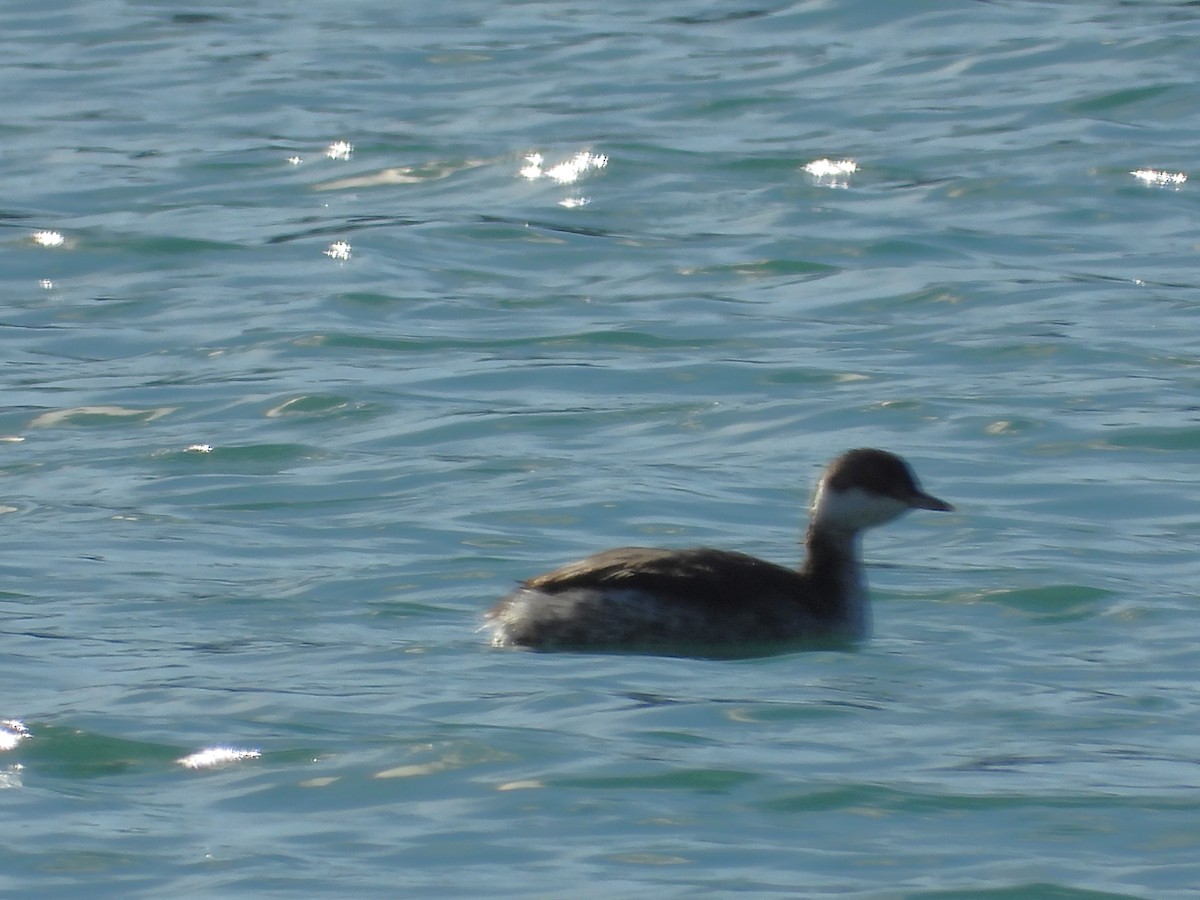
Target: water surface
[{"x": 320, "y": 366}]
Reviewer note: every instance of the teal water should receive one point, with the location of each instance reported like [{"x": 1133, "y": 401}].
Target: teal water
[{"x": 257, "y": 496}]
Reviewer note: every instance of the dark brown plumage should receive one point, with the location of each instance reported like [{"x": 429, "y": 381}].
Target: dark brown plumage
[{"x": 646, "y": 598}]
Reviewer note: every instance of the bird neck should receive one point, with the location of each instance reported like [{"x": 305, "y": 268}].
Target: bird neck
[{"x": 835, "y": 574}]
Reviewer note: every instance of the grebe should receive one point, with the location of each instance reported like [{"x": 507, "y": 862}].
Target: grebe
[{"x": 639, "y": 598}]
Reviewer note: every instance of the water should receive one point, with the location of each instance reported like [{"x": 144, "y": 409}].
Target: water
[{"x": 256, "y": 496}]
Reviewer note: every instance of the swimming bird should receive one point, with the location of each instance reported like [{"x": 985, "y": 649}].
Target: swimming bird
[{"x": 641, "y": 598}]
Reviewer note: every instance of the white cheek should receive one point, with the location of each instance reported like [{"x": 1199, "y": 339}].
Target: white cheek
[{"x": 854, "y": 509}]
